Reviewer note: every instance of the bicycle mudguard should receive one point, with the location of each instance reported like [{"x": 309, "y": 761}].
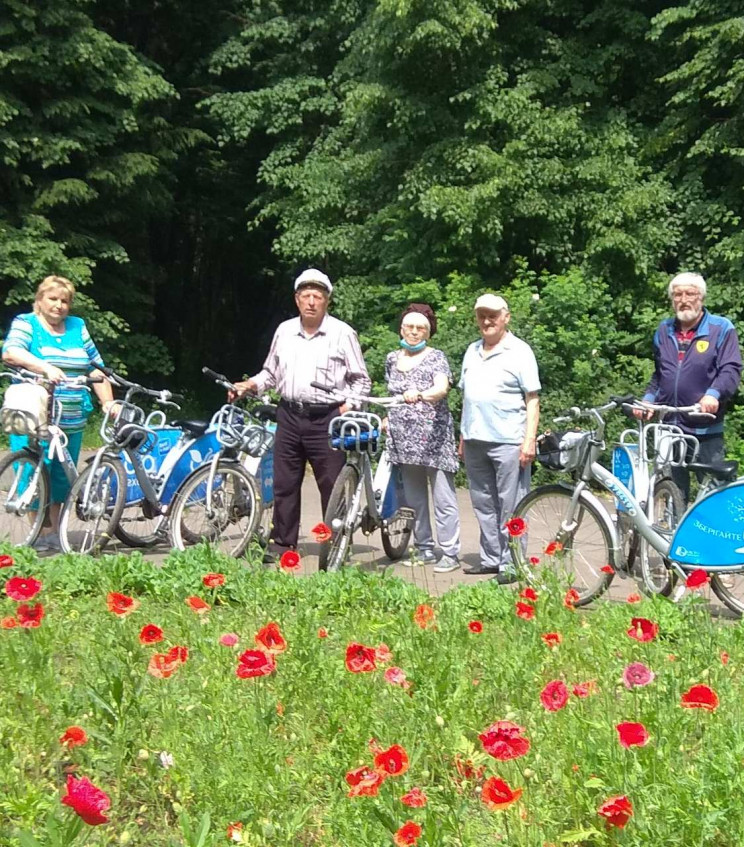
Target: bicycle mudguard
[
  {"x": 600, "y": 505},
  {"x": 712, "y": 531}
]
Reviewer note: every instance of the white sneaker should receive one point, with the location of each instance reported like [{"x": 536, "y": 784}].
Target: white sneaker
[
  {"x": 419, "y": 557},
  {"x": 47, "y": 543},
  {"x": 446, "y": 564}
]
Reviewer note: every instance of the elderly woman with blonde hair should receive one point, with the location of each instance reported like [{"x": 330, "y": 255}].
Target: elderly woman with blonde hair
[
  {"x": 54, "y": 344},
  {"x": 421, "y": 438}
]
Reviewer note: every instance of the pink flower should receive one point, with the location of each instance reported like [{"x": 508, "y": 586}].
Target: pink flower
[
  {"x": 415, "y": 798},
  {"x": 636, "y": 675},
  {"x": 229, "y": 639},
  {"x": 397, "y": 676},
  {"x": 554, "y": 696}
]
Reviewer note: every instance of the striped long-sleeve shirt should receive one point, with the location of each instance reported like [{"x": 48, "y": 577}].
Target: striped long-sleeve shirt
[
  {"x": 72, "y": 351},
  {"x": 331, "y": 356}
]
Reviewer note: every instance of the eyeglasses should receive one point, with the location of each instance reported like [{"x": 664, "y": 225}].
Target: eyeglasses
[
  {"x": 690, "y": 294},
  {"x": 411, "y": 327}
]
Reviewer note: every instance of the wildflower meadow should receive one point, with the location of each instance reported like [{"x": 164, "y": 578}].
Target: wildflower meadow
[{"x": 209, "y": 702}]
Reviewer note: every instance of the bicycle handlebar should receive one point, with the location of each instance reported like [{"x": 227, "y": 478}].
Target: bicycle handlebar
[
  {"x": 595, "y": 412},
  {"x": 219, "y": 378},
  {"x": 69, "y": 381},
  {"x": 386, "y": 402},
  {"x": 663, "y": 410},
  {"x": 163, "y": 396}
]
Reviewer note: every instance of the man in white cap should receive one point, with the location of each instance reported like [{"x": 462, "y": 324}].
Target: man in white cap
[
  {"x": 314, "y": 347},
  {"x": 500, "y": 414}
]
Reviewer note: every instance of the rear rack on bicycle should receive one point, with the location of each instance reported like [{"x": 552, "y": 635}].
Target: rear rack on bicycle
[{"x": 357, "y": 432}]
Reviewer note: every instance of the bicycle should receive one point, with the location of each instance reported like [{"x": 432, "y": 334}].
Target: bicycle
[
  {"x": 25, "y": 487},
  {"x": 220, "y": 503},
  {"x": 359, "y": 435},
  {"x": 575, "y": 529}
]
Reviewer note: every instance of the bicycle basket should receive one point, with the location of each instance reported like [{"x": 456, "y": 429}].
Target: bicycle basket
[
  {"x": 562, "y": 451},
  {"x": 357, "y": 432},
  {"x": 24, "y": 409}
]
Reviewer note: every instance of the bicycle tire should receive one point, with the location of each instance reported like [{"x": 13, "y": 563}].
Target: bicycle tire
[
  {"x": 17, "y": 529},
  {"x": 396, "y": 533},
  {"x": 234, "y": 515},
  {"x": 584, "y": 551},
  {"x": 136, "y": 530},
  {"x": 729, "y": 588},
  {"x": 87, "y": 523},
  {"x": 333, "y": 553},
  {"x": 669, "y": 506}
]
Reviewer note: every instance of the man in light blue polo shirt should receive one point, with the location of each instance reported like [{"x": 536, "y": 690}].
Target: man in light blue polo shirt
[{"x": 500, "y": 415}]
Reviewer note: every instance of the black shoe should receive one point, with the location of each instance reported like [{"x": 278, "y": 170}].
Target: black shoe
[
  {"x": 479, "y": 569},
  {"x": 505, "y": 577}
]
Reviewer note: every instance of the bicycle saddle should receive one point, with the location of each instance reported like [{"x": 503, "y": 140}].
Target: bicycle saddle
[
  {"x": 264, "y": 413},
  {"x": 192, "y": 427},
  {"x": 725, "y": 471}
]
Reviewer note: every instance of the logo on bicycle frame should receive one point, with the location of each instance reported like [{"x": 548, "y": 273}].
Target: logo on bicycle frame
[{"x": 622, "y": 497}]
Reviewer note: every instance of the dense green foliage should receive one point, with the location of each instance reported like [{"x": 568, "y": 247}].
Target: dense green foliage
[{"x": 181, "y": 163}]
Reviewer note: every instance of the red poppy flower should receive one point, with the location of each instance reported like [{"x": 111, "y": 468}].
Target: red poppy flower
[
  {"x": 407, "y": 835},
  {"x": 607, "y": 569},
  {"x": 582, "y": 690},
  {"x": 6, "y": 562},
  {"x": 30, "y": 617},
  {"x": 270, "y": 638},
  {"x": 364, "y": 782},
  {"x": 321, "y": 533},
  {"x": 397, "y": 676},
  {"x": 632, "y": 734},
  {"x": 255, "y": 663},
  {"x": 150, "y": 634},
  {"x": 700, "y": 697},
  {"x": 289, "y": 560},
  {"x": 162, "y": 665},
  {"x": 534, "y": 560},
  {"x": 553, "y": 548},
  {"x": 617, "y": 811},
  {"x": 516, "y": 527},
  {"x": 121, "y": 604},
  {"x": 8, "y": 623},
  {"x": 234, "y": 831},
  {"x": 392, "y": 762},
  {"x": 322, "y": 632},
  {"x": 383, "y": 654},
  {"x": 529, "y": 594},
  {"x": 86, "y": 800},
  {"x": 697, "y": 579},
  {"x": 724, "y": 657},
  {"x": 496, "y": 794},
  {"x": 643, "y": 629},
  {"x": 552, "y": 639},
  {"x": 571, "y": 598},
  {"x": 178, "y": 654},
  {"x": 524, "y": 610},
  {"x": 213, "y": 580},
  {"x": 360, "y": 659},
  {"x": 424, "y": 616},
  {"x": 415, "y": 798},
  {"x": 504, "y": 740},
  {"x": 229, "y": 639},
  {"x": 196, "y": 604},
  {"x": 74, "y": 736},
  {"x": 633, "y": 598},
  {"x": 554, "y": 696},
  {"x": 475, "y": 626},
  {"x": 21, "y": 589}
]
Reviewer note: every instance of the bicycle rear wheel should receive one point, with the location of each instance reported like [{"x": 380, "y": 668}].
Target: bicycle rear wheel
[
  {"x": 333, "y": 553},
  {"x": 93, "y": 507},
  {"x": 227, "y": 519},
  {"x": 579, "y": 551},
  {"x": 137, "y": 530},
  {"x": 396, "y": 533},
  {"x": 21, "y": 517},
  {"x": 669, "y": 506}
]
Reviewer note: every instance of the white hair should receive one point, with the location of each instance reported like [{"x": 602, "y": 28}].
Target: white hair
[{"x": 687, "y": 279}]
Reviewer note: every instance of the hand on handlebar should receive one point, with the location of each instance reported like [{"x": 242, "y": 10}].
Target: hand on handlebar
[
  {"x": 53, "y": 373},
  {"x": 709, "y": 405},
  {"x": 642, "y": 414},
  {"x": 248, "y": 386}
]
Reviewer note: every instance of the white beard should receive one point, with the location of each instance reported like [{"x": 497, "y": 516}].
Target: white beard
[{"x": 689, "y": 315}]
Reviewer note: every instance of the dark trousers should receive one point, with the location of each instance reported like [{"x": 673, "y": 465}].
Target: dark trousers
[
  {"x": 300, "y": 439},
  {"x": 711, "y": 451}
]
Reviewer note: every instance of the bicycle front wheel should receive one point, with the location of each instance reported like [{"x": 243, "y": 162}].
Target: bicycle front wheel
[
  {"x": 225, "y": 517},
  {"x": 669, "y": 506},
  {"x": 21, "y": 509},
  {"x": 396, "y": 533},
  {"x": 137, "y": 530},
  {"x": 729, "y": 588},
  {"x": 93, "y": 507},
  {"x": 577, "y": 552},
  {"x": 333, "y": 553}
]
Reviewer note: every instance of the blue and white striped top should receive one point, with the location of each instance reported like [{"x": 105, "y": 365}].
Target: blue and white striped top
[{"x": 72, "y": 352}]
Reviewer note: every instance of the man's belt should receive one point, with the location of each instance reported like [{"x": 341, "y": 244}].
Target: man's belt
[{"x": 309, "y": 410}]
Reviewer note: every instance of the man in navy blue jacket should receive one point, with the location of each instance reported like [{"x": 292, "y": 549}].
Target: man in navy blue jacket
[{"x": 698, "y": 360}]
